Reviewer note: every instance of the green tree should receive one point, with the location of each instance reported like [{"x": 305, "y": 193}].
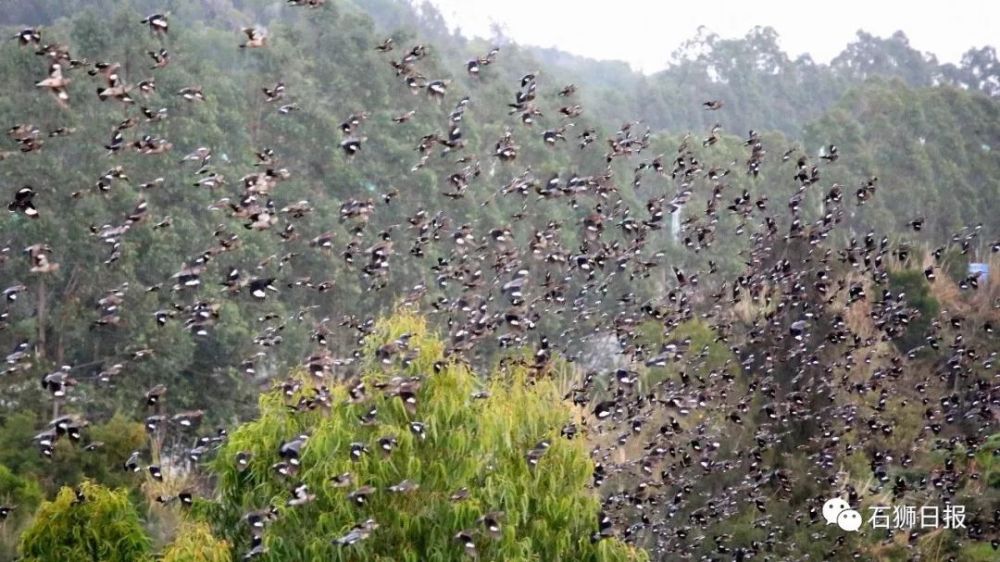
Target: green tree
[
  {"x": 912, "y": 284},
  {"x": 21, "y": 495},
  {"x": 463, "y": 443},
  {"x": 70, "y": 463},
  {"x": 91, "y": 523}
]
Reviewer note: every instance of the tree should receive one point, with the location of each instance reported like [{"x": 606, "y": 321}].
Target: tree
[
  {"x": 917, "y": 293},
  {"x": 91, "y": 523},
  {"x": 70, "y": 462},
  {"x": 980, "y": 70},
  {"x": 425, "y": 432},
  {"x": 871, "y": 56},
  {"x": 20, "y": 494}
]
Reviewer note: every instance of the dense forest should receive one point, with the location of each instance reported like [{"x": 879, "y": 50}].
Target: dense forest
[{"x": 326, "y": 280}]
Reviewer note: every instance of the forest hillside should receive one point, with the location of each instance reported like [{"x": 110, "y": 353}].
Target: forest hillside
[{"x": 327, "y": 280}]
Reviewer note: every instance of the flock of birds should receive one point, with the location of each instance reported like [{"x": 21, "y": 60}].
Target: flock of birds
[{"x": 793, "y": 364}]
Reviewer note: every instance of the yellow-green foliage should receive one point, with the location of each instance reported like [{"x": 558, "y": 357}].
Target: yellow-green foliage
[
  {"x": 474, "y": 444},
  {"x": 102, "y": 527},
  {"x": 195, "y": 543}
]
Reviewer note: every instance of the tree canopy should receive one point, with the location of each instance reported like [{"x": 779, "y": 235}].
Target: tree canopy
[
  {"x": 89, "y": 523},
  {"x": 425, "y": 449}
]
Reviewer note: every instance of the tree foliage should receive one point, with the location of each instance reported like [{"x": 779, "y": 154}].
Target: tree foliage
[
  {"x": 917, "y": 292},
  {"x": 196, "y": 543},
  {"x": 476, "y": 445},
  {"x": 89, "y": 524}
]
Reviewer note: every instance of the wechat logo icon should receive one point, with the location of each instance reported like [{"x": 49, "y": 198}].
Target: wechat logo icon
[{"x": 837, "y": 511}]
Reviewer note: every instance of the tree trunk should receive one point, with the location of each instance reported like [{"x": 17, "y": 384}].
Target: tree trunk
[{"x": 40, "y": 320}]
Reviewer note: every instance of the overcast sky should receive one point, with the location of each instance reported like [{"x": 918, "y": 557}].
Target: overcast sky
[{"x": 645, "y": 32}]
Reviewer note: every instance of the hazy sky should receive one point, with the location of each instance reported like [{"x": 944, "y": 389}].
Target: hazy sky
[{"x": 645, "y": 32}]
